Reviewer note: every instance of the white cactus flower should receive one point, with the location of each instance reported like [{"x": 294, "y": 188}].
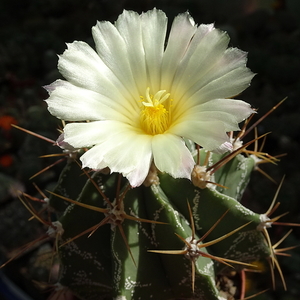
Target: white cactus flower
[{"x": 141, "y": 95}]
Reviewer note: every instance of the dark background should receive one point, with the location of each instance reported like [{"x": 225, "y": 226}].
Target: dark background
[{"x": 33, "y": 32}]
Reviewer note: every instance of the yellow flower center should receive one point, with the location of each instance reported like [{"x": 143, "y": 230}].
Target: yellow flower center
[{"x": 155, "y": 117}]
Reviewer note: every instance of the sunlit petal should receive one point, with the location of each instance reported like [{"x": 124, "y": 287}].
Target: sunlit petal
[
  {"x": 172, "y": 156},
  {"x": 230, "y": 112},
  {"x": 72, "y": 103},
  {"x": 183, "y": 29},
  {"x": 83, "y": 67},
  {"x": 208, "y": 134},
  {"x": 133, "y": 161},
  {"x": 206, "y": 49}
]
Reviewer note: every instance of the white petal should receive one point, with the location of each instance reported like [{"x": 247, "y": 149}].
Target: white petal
[
  {"x": 129, "y": 22},
  {"x": 112, "y": 49},
  {"x": 228, "y": 120},
  {"x": 81, "y": 135},
  {"x": 127, "y": 152},
  {"x": 206, "y": 48},
  {"x": 228, "y": 111},
  {"x": 172, "y": 156},
  {"x": 239, "y": 109},
  {"x": 225, "y": 86},
  {"x": 72, "y": 103},
  {"x": 227, "y": 77},
  {"x": 154, "y": 27},
  {"x": 133, "y": 49},
  {"x": 182, "y": 31},
  {"x": 208, "y": 134},
  {"x": 118, "y": 146},
  {"x": 82, "y": 66}
]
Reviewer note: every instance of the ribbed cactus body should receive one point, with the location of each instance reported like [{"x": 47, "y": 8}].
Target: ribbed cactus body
[{"x": 114, "y": 260}]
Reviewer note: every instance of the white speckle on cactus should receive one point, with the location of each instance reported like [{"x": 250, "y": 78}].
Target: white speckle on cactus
[
  {"x": 244, "y": 178},
  {"x": 143, "y": 230},
  {"x": 244, "y": 210},
  {"x": 208, "y": 269},
  {"x": 251, "y": 253},
  {"x": 117, "y": 265},
  {"x": 195, "y": 209},
  {"x": 72, "y": 248},
  {"x": 130, "y": 284},
  {"x": 178, "y": 219}
]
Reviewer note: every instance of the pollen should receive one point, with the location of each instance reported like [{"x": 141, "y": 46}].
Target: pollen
[{"x": 155, "y": 112}]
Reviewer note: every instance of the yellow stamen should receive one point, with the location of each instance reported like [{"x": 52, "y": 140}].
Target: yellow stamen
[{"x": 154, "y": 115}]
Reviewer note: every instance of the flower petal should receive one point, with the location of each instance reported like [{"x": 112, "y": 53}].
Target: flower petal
[
  {"x": 228, "y": 111},
  {"x": 145, "y": 47},
  {"x": 206, "y": 48},
  {"x": 227, "y": 77},
  {"x": 208, "y": 134},
  {"x": 81, "y": 135},
  {"x": 72, "y": 103},
  {"x": 127, "y": 23},
  {"x": 172, "y": 156},
  {"x": 225, "y": 86},
  {"x": 154, "y": 27},
  {"x": 124, "y": 149},
  {"x": 240, "y": 110},
  {"x": 183, "y": 29},
  {"x": 112, "y": 50},
  {"x": 132, "y": 57},
  {"x": 82, "y": 67}
]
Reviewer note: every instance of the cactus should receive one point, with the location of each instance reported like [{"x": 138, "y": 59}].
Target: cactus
[
  {"x": 122, "y": 234},
  {"x": 116, "y": 242},
  {"x": 166, "y": 239}
]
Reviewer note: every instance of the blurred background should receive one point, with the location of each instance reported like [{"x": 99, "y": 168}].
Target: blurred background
[{"x": 33, "y": 32}]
